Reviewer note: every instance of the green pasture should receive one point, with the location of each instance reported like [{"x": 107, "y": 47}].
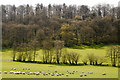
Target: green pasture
[{"x": 111, "y": 72}]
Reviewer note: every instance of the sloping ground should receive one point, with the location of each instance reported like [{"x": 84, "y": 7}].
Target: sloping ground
[{"x": 111, "y": 72}]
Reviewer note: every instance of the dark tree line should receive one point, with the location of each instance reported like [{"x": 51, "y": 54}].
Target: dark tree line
[{"x": 72, "y": 24}]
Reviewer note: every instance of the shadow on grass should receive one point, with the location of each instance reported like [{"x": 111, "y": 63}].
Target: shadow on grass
[{"x": 60, "y": 64}]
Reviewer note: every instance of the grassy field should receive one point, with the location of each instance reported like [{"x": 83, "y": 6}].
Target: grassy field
[{"x": 111, "y": 72}]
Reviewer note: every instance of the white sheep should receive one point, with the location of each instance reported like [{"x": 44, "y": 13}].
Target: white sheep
[
  {"x": 37, "y": 73},
  {"x": 5, "y": 72},
  {"x": 56, "y": 71},
  {"x": 81, "y": 75},
  {"x": 13, "y": 69},
  {"x": 67, "y": 75},
  {"x": 57, "y": 74},
  {"x": 62, "y": 73},
  {"x": 46, "y": 73},
  {"x": 90, "y": 72},
  {"x": 23, "y": 73},
  {"x": 17, "y": 72},
  {"x": 85, "y": 74},
  {"x": 10, "y": 72},
  {"x": 52, "y": 74},
  {"x": 103, "y": 73}
]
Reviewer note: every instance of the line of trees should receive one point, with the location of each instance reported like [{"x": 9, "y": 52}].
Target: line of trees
[
  {"x": 72, "y": 24},
  {"x": 53, "y": 52}
]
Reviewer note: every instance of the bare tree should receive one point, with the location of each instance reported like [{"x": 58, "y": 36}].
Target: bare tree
[
  {"x": 58, "y": 45},
  {"x": 113, "y": 54},
  {"x": 91, "y": 58}
]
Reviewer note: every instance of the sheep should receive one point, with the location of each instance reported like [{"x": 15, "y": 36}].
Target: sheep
[
  {"x": 70, "y": 73},
  {"x": 90, "y": 72},
  {"x": 10, "y": 72},
  {"x": 49, "y": 73},
  {"x": 66, "y": 75},
  {"x": 37, "y": 73},
  {"x": 85, "y": 74},
  {"x": 5, "y": 72},
  {"x": 52, "y": 74},
  {"x": 43, "y": 72},
  {"x": 27, "y": 72},
  {"x": 62, "y": 73},
  {"x": 76, "y": 71},
  {"x": 56, "y": 71},
  {"x": 73, "y": 71},
  {"x": 13, "y": 68},
  {"x": 0, "y": 72},
  {"x": 57, "y": 74},
  {"x": 103, "y": 73},
  {"x": 23, "y": 73},
  {"x": 26, "y": 68},
  {"x": 82, "y": 72},
  {"x": 30, "y": 73},
  {"x": 17, "y": 72},
  {"x": 81, "y": 75},
  {"x": 46, "y": 73}
]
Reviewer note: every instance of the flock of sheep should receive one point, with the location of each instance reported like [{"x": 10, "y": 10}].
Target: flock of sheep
[{"x": 26, "y": 71}]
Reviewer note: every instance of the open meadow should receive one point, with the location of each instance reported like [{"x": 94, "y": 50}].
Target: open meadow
[{"x": 66, "y": 71}]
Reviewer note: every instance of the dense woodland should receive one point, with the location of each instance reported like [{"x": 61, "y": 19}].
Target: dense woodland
[{"x": 27, "y": 28}]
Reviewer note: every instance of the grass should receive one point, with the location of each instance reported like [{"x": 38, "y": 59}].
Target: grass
[{"x": 112, "y": 72}]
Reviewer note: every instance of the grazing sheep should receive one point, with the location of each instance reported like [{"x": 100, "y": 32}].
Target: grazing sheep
[
  {"x": 72, "y": 73},
  {"x": 62, "y": 73},
  {"x": 103, "y": 73},
  {"x": 90, "y": 72},
  {"x": 56, "y": 71},
  {"x": 82, "y": 72},
  {"x": 85, "y": 74},
  {"x": 81, "y": 75},
  {"x": 10, "y": 72},
  {"x": 30, "y": 73},
  {"x": 0, "y": 72},
  {"x": 17, "y": 72},
  {"x": 68, "y": 72},
  {"x": 49, "y": 73},
  {"x": 37, "y": 73},
  {"x": 52, "y": 74},
  {"x": 57, "y": 74},
  {"x": 5, "y": 72},
  {"x": 13, "y": 68},
  {"x": 43, "y": 72},
  {"x": 66, "y": 75},
  {"x": 28, "y": 68},
  {"x": 23, "y": 73},
  {"x": 24, "y": 69},
  {"x": 46, "y": 73},
  {"x": 27, "y": 72}
]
